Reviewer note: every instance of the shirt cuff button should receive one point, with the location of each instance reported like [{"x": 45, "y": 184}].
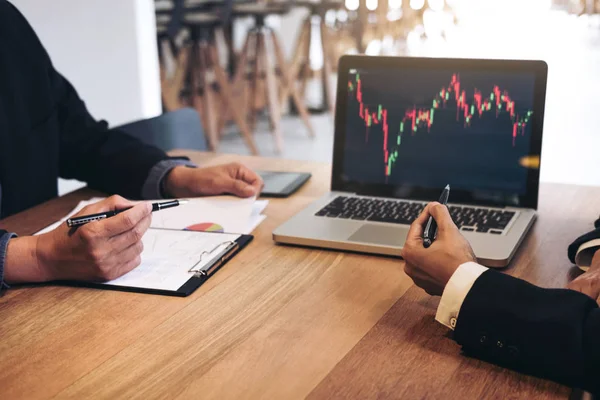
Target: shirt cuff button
[{"x": 453, "y": 322}]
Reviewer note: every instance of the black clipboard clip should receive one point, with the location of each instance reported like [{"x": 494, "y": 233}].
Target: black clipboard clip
[{"x": 217, "y": 261}]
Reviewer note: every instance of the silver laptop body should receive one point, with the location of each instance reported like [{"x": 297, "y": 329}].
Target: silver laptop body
[{"x": 489, "y": 154}]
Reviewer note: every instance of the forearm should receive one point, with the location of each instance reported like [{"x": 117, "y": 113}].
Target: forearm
[
  {"x": 21, "y": 263},
  {"x": 157, "y": 185},
  {"x": 109, "y": 161}
]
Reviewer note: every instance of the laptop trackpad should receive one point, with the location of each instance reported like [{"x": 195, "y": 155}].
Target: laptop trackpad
[{"x": 379, "y": 234}]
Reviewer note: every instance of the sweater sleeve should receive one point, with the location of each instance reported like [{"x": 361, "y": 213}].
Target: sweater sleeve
[
  {"x": 4, "y": 239},
  {"x": 107, "y": 159}
]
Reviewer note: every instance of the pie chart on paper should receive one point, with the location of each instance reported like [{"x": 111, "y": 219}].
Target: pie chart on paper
[{"x": 206, "y": 227}]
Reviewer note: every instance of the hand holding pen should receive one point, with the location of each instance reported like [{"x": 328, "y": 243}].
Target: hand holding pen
[
  {"x": 99, "y": 251},
  {"x": 430, "y": 231},
  {"x": 431, "y": 268}
]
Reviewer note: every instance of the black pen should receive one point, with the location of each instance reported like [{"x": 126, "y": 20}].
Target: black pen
[
  {"x": 431, "y": 228},
  {"x": 78, "y": 221}
]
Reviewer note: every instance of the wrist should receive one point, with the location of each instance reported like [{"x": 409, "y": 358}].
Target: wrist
[
  {"x": 175, "y": 182},
  {"x": 22, "y": 263}
]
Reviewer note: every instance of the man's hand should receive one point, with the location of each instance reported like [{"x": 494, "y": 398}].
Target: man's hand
[
  {"x": 233, "y": 178},
  {"x": 98, "y": 251},
  {"x": 432, "y": 268},
  {"x": 589, "y": 282}
]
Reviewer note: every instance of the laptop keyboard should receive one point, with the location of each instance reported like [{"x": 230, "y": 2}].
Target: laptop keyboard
[{"x": 473, "y": 219}]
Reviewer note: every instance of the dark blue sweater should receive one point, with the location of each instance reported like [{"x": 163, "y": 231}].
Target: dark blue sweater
[{"x": 46, "y": 131}]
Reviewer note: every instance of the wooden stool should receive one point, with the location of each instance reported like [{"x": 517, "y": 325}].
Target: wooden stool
[
  {"x": 198, "y": 72},
  {"x": 212, "y": 92},
  {"x": 168, "y": 27},
  {"x": 261, "y": 80},
  {"x": 300, "y": 65}
]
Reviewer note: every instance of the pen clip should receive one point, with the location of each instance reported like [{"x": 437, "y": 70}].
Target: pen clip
[{"x": 207, "y": 269}]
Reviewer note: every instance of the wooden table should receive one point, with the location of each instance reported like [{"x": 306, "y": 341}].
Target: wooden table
[{"x": 277, "y": 322}]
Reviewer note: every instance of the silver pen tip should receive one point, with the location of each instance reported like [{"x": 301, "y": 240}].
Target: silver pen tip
[
  {"x": 182, "y": 202},
  {"x": 447, "y": 187}
]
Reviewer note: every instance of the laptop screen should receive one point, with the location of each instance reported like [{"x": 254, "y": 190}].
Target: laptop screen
[{"x": 428, "y": 127}]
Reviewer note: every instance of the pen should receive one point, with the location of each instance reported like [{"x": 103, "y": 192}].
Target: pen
[
  {"x": 431, "y": 228},
  {"x": 84, "y": 219}
]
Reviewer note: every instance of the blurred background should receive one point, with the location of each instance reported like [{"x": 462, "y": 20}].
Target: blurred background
[{"x": 261, "y": 76}]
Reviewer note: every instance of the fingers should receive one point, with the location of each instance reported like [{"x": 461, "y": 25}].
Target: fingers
[
  {"x": 121, "y": 262},
  {"x": 416, "y": 228},
  {"x": 126, "y": 220},
  {"x": 132, "y": 236},
  {"x": 249, "y": 177},
  {"x": 442, "y": 217},
  {"x": 109, "y": 204},
  {"x": 127, "y": 262},
  {"x": 414, "y": 238},
  {"x": 130, "y": 254},
  {"x": 586, "y": 284},
  {"x": 595, "y": 265},
  {"x": 242, "y": 189}
]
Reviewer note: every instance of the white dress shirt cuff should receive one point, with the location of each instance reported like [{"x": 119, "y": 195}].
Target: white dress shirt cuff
[
  {"x": 585, "y": 253},
  {"x": 456, "y": 291}
]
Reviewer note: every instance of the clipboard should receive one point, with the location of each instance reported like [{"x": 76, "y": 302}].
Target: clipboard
[{"x": 210, "y": 261}]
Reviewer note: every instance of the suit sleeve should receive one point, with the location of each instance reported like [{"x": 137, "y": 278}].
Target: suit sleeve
[{"x": 550, "y": 333}]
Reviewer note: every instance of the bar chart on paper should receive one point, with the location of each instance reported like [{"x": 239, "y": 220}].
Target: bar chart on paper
[{"x": 480, "y": 117}]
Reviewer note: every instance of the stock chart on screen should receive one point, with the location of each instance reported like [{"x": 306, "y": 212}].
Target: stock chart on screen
[{"x": 430, "y": 128}]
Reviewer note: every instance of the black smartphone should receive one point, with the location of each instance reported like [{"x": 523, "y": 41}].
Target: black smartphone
[{"x": 282, "y": 184}]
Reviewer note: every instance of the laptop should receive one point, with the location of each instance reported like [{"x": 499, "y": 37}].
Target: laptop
[{"x": 407, "y": 127}]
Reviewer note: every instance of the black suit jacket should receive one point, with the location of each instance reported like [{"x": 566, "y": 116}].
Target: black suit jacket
[
  {"x": 47, "y": 132},
  {"x": 551, "y": 333}
]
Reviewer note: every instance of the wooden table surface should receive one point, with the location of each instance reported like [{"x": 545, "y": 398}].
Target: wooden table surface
[{"x": 276, "y": 322}]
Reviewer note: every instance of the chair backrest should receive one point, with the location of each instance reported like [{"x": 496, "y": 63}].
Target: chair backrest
[{"x": 179, "y": 129}]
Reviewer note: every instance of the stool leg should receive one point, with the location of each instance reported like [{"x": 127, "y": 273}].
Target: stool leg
[
  {"x": 171, "y": 86},
  {"x": 254, "y": 88},
  {"x": 197, "y": 89},
  {"x": 290, "y": 84},
  {"x": 326, "y": 73},
  {"x": 238, "y": 85},
  {"x": 223, "y": 114},
  {"x": 207, "y": 100},
  {"x": 238, "y": 116},
  {"x": 273, "y": 100},
  {"x": 305, "y": 71},
  {"x": 297, "y": 59}
]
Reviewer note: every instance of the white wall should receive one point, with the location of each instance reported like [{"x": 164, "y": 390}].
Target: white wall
[{"x": 107, "y": 49}]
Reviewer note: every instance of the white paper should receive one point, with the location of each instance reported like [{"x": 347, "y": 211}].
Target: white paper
[
  {"x": 169, "y": 255},
  {"x": 218, "y": 214},
  {"x": 259, "y": 206},
  {"x": 256, "y": 218},
  {"x": 212, "y": 214},
  {"x": 255, "y": 221}
]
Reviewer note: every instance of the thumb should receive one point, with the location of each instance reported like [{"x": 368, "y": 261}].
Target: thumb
[
  {"x": 241, "y": 188},
  {"x": 416, "y": 228},
  {"x": 442, "y": 217},
  {"x": 595, "y": 265}
]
